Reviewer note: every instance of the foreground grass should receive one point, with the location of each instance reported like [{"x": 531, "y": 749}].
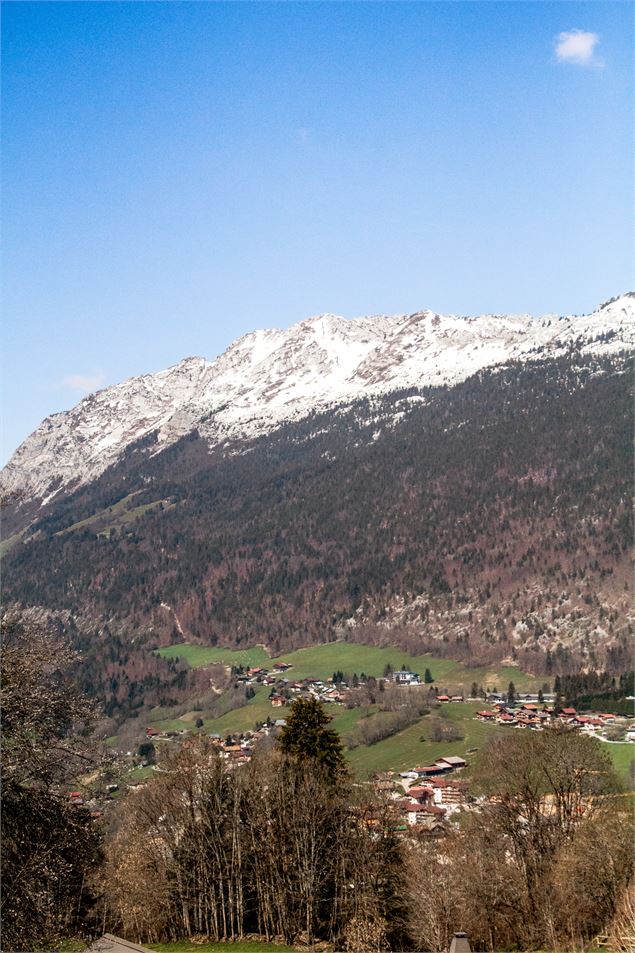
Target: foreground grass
[{"x": 240, "y": 946}]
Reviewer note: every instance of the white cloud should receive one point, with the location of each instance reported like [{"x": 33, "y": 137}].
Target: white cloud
[
  {"x": 578, "y": 47},
  {"x": 83, "y": 382}
]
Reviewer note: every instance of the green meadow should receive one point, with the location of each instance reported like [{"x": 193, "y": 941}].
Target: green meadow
[
  {"x": 411, "y": 747},
  {"x": 623, "y": 755},
  {"x": 320, "y": 661},
  {"x": 406, "y": 749},
  {"x": 198, "y": 655}
]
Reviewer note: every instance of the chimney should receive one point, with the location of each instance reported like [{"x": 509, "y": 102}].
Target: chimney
[{"x": 460, "y": 944}]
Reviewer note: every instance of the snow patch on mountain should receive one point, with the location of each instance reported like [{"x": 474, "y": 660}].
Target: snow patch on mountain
[{"x": 271, "y": 376}]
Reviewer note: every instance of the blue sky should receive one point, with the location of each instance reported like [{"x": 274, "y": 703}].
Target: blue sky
[{"x": 177, "y": 174}]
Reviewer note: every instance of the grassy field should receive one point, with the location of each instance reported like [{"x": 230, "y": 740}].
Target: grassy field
[
  {"x": 244, "y": 946},
  {"x": 10, "y": 541},
  {"x": 199, "y": 655},
  {"x": 141, "y": 774},
  {"x": 407, "y": 749},
  {"x": 403, "y": 750},
  {"x": 320, "y": 661},
  {"x": 258, "y": 709},
  {"x": 410, "y": 747},
  {"x": 622, "y": 755},
  {"x": 117, "y": 516},
  {"x": 110, "y": 513}
]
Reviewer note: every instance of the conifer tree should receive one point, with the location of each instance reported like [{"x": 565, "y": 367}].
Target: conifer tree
[{"x": 306, "y": 736}]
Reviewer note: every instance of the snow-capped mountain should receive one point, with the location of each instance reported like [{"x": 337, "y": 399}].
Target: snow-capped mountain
[{"x": 271, "y": 376}]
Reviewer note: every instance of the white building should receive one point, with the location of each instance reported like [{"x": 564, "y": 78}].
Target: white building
[{"x": 406, "y": 678}]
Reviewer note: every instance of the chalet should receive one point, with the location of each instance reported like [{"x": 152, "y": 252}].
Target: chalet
[
  {"x": 281, "y": 667},
  {"x": 532, "y": 723},
  {"x": 590, "y": 725},
  {"x": 453, "y": 761},
  {"x": 433, "y": 770},
  {"x": 448, "y": 793},
  {"x": 406, "y": 678},
  {"x": 423, "y": 814},
  {"x": 277, "y": 701},
  {"x": 568, "y": 712},
  {"x": 232, "y": 749},
  {"x": 485, "y": 715},
  {"x": 421, "y": 794},
  {"x": 443, "y": 698}
]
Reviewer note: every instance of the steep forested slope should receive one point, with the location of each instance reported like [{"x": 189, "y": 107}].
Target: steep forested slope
[{"x": 485, "y": 520}]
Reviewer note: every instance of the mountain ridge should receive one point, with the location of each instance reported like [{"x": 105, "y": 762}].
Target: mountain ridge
[{"x": 268, "y": 377}]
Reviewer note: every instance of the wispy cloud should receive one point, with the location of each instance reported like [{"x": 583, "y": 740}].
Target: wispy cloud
[
  {"x": 83, "y": 382},
  {"x": 578, "y": 47}
]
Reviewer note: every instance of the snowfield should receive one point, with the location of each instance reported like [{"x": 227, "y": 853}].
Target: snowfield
[{"x": 268, "y": 377}]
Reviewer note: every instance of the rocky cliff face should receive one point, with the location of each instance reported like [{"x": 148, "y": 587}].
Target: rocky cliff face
[{"x": 270, "y": 377}]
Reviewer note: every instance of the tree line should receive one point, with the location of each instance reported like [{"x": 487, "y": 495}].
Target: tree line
[{"x": 290, "y": 846}]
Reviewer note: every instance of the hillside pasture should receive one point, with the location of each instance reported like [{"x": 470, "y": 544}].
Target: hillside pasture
[
  {"x": 406, "y": 749},
  {"x": 320, "y": 661},
  {"x": 197, "y": 656}
]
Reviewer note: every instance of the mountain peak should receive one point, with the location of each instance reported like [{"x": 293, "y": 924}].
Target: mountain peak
[{"x": 270, "y": 376}]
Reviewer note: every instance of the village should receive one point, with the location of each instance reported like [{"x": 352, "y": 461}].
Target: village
[
  {"x": 427, "y": 797},
  {"x": 513, "y": 709}
]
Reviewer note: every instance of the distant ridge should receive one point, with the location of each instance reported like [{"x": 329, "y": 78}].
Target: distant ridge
[{"x": 267, "y": 377}]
